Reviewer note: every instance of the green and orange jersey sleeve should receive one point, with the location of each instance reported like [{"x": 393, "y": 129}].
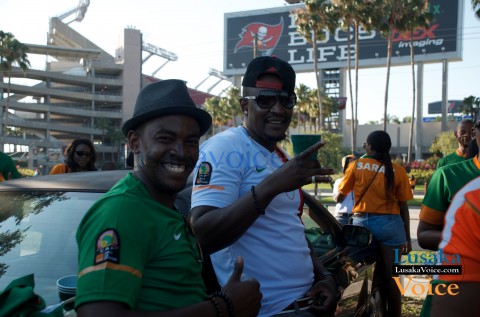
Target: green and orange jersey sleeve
[
  {"x": 461, "y": 237},
  {"x": 359, "y": 175},
  {"x": 452, "y": 158},
  {"x": 443, "y": 186}
]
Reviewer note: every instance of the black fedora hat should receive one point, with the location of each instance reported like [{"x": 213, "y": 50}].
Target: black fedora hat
[{"x": 166, "y": 97}]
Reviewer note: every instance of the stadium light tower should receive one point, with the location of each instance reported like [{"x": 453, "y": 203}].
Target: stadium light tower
[
  {"x": 215, "y": 73},
  {"x": 154, "y": 50},
  {"x": 79, "y": 10}
]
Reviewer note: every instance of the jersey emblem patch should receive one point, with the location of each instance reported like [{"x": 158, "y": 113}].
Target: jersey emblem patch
[
  {"x": 107, "y": 247},
  {"x": 204, "y": 174}
]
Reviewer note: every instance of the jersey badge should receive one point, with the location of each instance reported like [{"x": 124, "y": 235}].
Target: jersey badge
[
  {"x": 204, "y": 174},
  {"x": 107, "y": 247}
]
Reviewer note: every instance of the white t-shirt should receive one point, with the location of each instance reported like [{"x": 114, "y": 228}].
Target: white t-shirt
[
  {"x": 346, "y": 206},
  {"x": 274, "y": 248}
]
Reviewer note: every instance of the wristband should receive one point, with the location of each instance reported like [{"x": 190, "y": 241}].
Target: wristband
[
  {"x": 260, "y": 211},
  {"x": 228, "y": 301},
  {"x": 322, "y": 275},
  {"x": 216, "y": 304}
]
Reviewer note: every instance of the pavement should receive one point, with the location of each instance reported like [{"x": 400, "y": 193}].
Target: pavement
[{"x": 414, "y": 285}]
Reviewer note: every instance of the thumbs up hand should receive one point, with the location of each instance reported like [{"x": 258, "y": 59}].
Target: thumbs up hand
[{"x": 245, "y": 295}]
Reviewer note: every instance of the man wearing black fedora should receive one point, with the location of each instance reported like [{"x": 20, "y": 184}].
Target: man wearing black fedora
[
  {"x": 136, "y": 252},
  {"x": 247, "y": 199}
]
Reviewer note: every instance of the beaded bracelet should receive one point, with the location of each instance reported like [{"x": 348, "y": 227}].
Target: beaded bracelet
[
  {"x": 260, "y": 211},
  {"x": 231, "y": 308},
  {"x": 215, "y": 302}
]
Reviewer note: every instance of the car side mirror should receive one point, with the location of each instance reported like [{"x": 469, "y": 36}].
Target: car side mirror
[{"x": 356, "y": 236}]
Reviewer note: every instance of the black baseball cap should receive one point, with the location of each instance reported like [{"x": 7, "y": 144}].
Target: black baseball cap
[{"x": 269, "y": 65}]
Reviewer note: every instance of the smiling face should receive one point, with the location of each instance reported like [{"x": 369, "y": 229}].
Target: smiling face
[
  {"x": 82, "y": 155},
  {"x": 167, "y": 148},
  {"x": 266, "y": 126},
  {"x": 464, "y": 133}
]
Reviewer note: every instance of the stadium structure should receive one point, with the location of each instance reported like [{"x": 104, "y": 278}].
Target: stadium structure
[{"x": 82, "y": 92}]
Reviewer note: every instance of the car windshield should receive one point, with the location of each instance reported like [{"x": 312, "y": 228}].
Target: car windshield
[{"x": 37, "y": 235}]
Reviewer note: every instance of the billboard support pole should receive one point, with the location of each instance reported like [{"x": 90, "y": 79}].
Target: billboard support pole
[
  {"x": 418, "y": 125},
  {"x": 444, "y": 94}
]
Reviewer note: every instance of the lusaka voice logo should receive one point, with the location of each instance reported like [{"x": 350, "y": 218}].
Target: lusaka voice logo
[{"x": 419, "y": 273}]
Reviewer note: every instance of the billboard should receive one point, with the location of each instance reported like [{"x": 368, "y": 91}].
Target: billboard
[
  {"x": 454, "y": 106},
  {"x": 273, "y": 32}
]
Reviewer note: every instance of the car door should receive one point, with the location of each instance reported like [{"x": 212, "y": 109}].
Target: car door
[{"x": 342, "y": 252}]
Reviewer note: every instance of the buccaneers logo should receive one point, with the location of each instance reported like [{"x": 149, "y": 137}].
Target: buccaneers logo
[{"x": 263, "y": 36}]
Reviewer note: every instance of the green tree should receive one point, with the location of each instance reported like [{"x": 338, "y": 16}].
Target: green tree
[
  {"x": 313, "y": 23},
  {"x": 476, "y": 7},
  {"x": 212, "y": 106},
  {"x": 232, "y": 103},
  {"x": 12, "y": 52},
  {"x": 110, "y": 134},
  {"x": 417, "y": 17},
  {"x": 312, "y": 109},
  {"x": 394, "y": 12},
  {"x": 471, "y": 105},
  {"x": 331, "y": 154},
  {"x": 303, "y": 93},
  {"x": 356, "y": 13},
  {"x": 444, "y": 143}
]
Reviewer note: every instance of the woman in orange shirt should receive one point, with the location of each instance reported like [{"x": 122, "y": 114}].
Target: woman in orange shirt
[
  {"x": 81, "y": 156},
  {"x": 381, "y": 189}
]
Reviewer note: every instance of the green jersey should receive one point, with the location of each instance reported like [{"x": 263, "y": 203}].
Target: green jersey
[
  {"x": 7, "y": 166},
  {"x": 136, "y": 251},
  {"x": 451, "y": 158},
  {"x": 445, "y": 183}
]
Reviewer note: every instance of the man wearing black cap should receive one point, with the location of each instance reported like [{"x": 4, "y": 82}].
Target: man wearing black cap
[
  {"x": 136, "y": 252},
  {"x": 247, "y": 198}
]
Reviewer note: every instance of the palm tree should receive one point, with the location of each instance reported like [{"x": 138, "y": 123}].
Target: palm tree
[
  {"x": 394, "y": 11},
  {"x": 11, "y": 52},
  {"x": 471, "y": 105},
  {"x": 303, "y": 93},
  {"x": 417, "y": 17},
  {"x": 212, "y": 106},
  {"x": 348, "y": 9},
  {"x": 311, "y": 22},
  {"x": 355, "y": 13},
  {"x": 476, "y": 7},
  {"x": 233, "y": 107}
]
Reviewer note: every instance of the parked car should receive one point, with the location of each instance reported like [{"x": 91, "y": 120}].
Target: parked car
[{"x": 39, "y": 217}]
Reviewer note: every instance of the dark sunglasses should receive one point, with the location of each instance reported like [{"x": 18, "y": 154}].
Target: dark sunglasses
[
  {"x": 83, "y": 153},
  {"x": 266, "y": 99}
]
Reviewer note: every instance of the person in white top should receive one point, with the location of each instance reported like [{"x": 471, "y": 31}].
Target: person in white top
[
  {"x": 247, "y": 199},
  {"x": 343, "y": 210}
]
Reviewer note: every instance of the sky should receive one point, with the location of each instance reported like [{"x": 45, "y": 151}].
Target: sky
[{"x": 194, "y": 31}]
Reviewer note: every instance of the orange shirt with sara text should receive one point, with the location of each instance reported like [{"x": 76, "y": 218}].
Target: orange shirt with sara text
[{"x": 358, "y": 176}]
